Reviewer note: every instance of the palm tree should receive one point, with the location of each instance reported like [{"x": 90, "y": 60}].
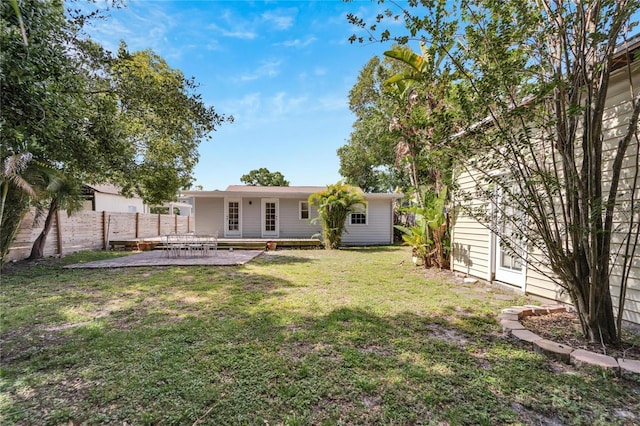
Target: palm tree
[
  {"x": 334, "y": 205},
  {"x": 420, "y": 118},
  {"x": 14, "y": 168},
  {"x": 18, "y": 186},
  {"x": 61, "y": 192}
]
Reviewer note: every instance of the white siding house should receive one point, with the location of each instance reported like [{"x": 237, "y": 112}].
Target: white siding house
[
  {"x": 284, "y": 212},
  {"x": 476, "y": 251},
  {"x": 107, "y": 197}
]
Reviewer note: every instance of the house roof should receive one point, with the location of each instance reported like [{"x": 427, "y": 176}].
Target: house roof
[
  {"x": 272, "y": 189},
  {"x": 625, "y": 52},
  {"x": 104, "y": 188},
  {"x": 245, "y": 191}
]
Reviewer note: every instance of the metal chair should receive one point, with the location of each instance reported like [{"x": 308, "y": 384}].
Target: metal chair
[
  {"x": 176, "y": 244},
  {"x": 210, "y": 243}
]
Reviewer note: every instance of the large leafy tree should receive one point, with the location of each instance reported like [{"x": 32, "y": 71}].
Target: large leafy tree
[
  {"x": 130, "y": 119},
  {"x": 367, "y": 160},
  {"x": 422, "y": 119},
  {"x": 46, "y": 104},
  {"x": 533, "y": 81},
  {"x": 263, "y": 177},
  {"x": 334, "y": 205},
  {"x": 163, "y": 119},
  {"x": 402, "y": 116}
]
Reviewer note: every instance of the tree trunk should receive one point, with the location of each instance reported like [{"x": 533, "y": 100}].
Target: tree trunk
[{"x": 37, "y": 251}]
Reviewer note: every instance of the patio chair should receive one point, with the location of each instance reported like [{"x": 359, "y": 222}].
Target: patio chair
[
  {"x": 193, "y": 244},
  {"x": 210, "y": 243},
  {"x": 176, "y": 244}
]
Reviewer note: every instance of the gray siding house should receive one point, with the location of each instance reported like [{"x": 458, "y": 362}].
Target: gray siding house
[{"x": 267, "y": 212}]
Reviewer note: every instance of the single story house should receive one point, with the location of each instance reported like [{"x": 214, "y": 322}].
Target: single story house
[
  {"x": 284, "y": 212},
  {"x": 477, "y": 251},
  {"x": 107, "y": 197}
]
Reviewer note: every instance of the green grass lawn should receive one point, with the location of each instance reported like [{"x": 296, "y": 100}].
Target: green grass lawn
[{"x": 294, "y": 338}]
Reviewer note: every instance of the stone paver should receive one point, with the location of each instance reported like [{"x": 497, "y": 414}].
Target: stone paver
[
  {"x": 516, "y": 311},
  {"x": 629, "y": 368},
  {"x": 553, "y": 350},
  {"x": 160, "y": 258},
  {"x": 580, "y": 358},
  {"x": 554, "y": 309},
  {"x": 509, "y": 317},
  {"x": 534, "y": 310},
  {"x": 508, "y": 325},
  {"x": 526, "y": 335}
]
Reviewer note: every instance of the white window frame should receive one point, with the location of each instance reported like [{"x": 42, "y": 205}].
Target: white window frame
[
  {"x": 360, "y": 209},
  {"x": 300, "y": 210}
]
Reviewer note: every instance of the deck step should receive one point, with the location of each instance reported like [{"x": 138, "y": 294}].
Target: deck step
[
  {"x": 226, "y": 243},
  {"x": 260, "y": 245}
]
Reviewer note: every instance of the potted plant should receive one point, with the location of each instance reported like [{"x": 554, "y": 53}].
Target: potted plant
[
  {"x": 146, "y": 245},
  {"x": 271, "y": 245}
]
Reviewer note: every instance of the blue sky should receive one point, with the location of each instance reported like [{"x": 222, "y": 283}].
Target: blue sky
[{"x": 283, "y": 69}]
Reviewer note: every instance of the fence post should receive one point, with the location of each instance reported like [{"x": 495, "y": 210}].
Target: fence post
[
  {"x": 159, "y": 224},
  {"x": 137, "y": 225},
  {"x": 175, "y": 223},
  {"x": 104, "y": 230},
  {"x": 59, "y": 232}
]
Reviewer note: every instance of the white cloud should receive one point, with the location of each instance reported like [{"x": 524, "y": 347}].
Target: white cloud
[
  {"x": 298, "y": 42},
  {"x": 249, "y": 102},
  {"x": 237, "y": 32},
  {"x": 244, "y": 35},
  {"x": 243, "y": 109},
  {"x": 283, "y": 105},
  {"x": 266, "y": 69},
  {"x": 256, "y": 109},
  {"x": 147, "y": 30},
  {"x": 281, "y": 20}
]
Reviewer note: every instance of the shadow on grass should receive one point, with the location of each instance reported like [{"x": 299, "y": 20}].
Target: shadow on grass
[
  {"x": 281, "y": 259},
  {"x": 188, "y": 344},
  {"x": 371, "y": 249}
]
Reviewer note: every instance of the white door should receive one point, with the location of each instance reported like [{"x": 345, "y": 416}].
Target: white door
[
  {"x": 233, "y": 217},
  {"x": 270, "y": 222},
  {"x": 510, "y": 253}
]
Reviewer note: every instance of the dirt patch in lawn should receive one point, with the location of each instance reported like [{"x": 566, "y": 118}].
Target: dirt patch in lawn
[{"x": 565, "y": 328}]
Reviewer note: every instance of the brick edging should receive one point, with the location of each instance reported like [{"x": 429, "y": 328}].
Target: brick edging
[{"x": 510, "y": 322}]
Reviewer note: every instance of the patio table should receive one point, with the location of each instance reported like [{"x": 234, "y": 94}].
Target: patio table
[{"x": 190, "y": 244}]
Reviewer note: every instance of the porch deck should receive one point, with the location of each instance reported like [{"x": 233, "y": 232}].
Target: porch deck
[{"x": 225, "y": 243}]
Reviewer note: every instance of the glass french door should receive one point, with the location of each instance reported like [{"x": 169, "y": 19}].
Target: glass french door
[
  {"x": 233, "y": 218},
  {"x": 270, "y": 223},
  {"x": 510, "y": 254}
]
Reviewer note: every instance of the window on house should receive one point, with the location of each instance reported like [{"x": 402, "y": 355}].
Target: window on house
[
  {"x": 304, "y": 210},
  {"x": 359, "y": 216}
]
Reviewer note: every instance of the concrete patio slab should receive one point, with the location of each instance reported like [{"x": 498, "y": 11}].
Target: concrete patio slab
[{"x": 160, "y": 258}]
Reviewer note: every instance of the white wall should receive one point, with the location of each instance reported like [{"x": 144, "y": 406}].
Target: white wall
[
  {"x": 471, "y": 241},
  {"x": 118, "y": 203},
  {"x": 378, "y": 229},
  {"x": 209, "y": 215},
  {"x": 251, "y": 226},
  {"x": 291, "y": 226}
]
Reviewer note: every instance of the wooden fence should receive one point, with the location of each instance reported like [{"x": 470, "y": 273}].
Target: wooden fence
[{"x": 90, "y": 230}]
